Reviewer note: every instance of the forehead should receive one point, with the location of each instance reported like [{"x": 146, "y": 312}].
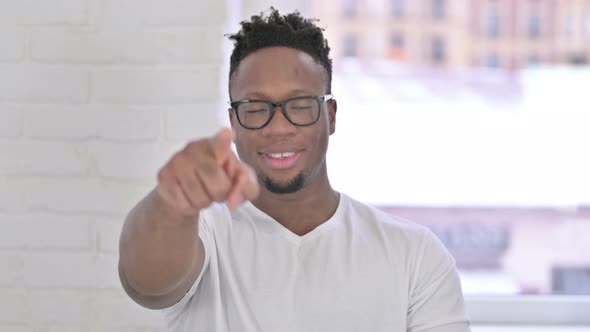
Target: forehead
[{"x": 274, "y": 71}]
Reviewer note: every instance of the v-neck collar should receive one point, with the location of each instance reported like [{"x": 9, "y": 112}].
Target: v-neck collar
[{"x": 271, "y": 225}]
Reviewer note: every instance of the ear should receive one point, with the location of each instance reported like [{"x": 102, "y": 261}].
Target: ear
[
  {"x": 332, "y": 108},
  {"x": 232, "y": 121}
]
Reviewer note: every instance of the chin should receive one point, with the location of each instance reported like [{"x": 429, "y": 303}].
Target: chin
[{"x": 282, "y": 187}]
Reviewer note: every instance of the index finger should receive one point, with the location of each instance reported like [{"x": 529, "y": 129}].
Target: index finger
[{"x": 221, "y": 145}]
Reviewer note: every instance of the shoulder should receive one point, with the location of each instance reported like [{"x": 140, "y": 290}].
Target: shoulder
[{"x": 366, "y": 215}]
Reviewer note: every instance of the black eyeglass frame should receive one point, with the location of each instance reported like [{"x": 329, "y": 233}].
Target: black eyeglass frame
[{"x": 283, "y": 104}]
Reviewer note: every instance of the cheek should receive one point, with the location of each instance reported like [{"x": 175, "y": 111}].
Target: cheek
[{"x": 243, "y": 147}]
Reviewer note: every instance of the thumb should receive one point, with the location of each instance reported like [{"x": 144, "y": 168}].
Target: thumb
[{"x": 221, "y": 144}]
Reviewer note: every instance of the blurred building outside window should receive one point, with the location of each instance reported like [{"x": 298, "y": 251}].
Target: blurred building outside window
[
  {"x": 397, "y": 8},
  {"x": 438, "y": 9},
  {"x": 349, "y": 8},
  {"x": 349, "y": 46},
  {"x": 492, "y": 60},
  {"x": 568, "y": 25},
  {"x": 533, "y": 60},
  {"x": 534, "y": 27},
  {"x": 438, "y": 50},
  {"x": 492, "y": 25},
  {"x": 397, "y": 48}
]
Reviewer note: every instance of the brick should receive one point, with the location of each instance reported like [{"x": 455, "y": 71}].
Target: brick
[
  {"x": 13, "y": 44},
  {"x": 103, "y": 310},
  {"x": 65, "y": 328},
  {"x": 46, "y": 231},
  {"x": 128, "y": 124},
  {"x": 160, "y": 328},
  {"x": 107, "y": 234},
  {"x": 11, "y": 124},
  {"x": 16, "y": 328},
  {"x": 70, "y": 270},
  {"x": 14, "y": 306},
  {"x": 189, "y": 122},
  {"x": 202, "y": 45},
  {"x": 194, "y": 45},
  {"x": 116, "y": 310},
  {"x": 107, "y": 274},
  {"x": 12, "y": 267},
  {"x": 43, "y": 12},
  {"x": 71, "y": 45},
  {"x": 125, "y": 124},
  {"x": 81, "y": 195},
  {"x": 156, "y": 86},
  {"x": 40, "y": 84},
  {"x": 12, "y": 195},
  {"x": 61, "y": 306},
  {"x": 122, "y": 15},
  {"x": 42, "y": 158},
  {"x": 183, "y": 12},
  {"x": 141, "y": 161}
]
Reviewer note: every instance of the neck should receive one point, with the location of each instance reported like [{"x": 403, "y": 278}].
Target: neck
[{"x": 301, "y": 211}]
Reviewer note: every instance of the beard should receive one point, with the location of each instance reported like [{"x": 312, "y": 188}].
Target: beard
[{"x": 282, "y": 188}]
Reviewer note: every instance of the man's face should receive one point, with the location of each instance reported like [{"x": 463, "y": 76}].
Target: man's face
[{"x": 285, "y": 157}]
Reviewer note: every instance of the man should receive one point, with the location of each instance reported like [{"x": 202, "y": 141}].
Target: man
[{"x": 263, "y": 242}]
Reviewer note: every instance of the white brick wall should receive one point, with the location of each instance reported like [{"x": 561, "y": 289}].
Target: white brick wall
[{"x": 95, "y": 95}]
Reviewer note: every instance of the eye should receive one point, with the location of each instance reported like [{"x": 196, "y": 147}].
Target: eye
[
  {"x": 255, "y": 111},
  {"x": 301, "y": 108}
]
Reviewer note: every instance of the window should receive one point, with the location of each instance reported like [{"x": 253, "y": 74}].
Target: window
[
  {"x": 571, "y": 280},
  {"x": 349, "y": 46},
  {"x": 438, "y": 9},
  {"x": 534, "y": 27},
  {"x": 492, "y": 25},
  {"x": 437, "y": 50},
  {"x": 568, "y": 25},
  {"x": 492, "y": 60},
  {"x": 533, "y": 60},
  {"x": 397, "y": 8},
  {"x": 397, "y": 40},
  {"x": 349, "y": 8},
  {"x": 468, "y": 155},
  {"x": 397, "y": 51}
]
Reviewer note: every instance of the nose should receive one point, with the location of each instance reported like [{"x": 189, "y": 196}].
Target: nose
[{"x": 279, "y": 125}]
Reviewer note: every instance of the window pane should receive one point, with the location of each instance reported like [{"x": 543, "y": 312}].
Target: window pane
[
  {"x": 534, "y": 27},
  {"x": 438, "y": 9},
  {"x": 397, "y": 8},
  {"x": 349, "y": 8},
  {"x": 492, "y": 26},
  {"x": 349, "y": 46},
  {"x": 438, "y": 50}
]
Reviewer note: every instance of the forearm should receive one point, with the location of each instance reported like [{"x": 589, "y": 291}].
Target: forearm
[{"x": 158, "y": 249}]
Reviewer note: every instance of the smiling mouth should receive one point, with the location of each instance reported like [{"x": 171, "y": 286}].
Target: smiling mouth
[
  {"x": 281, "y": 160},
  {"x": 281, "y": 155}
]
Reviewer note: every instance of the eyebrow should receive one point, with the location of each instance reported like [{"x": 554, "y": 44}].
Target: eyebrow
[{"x": 264, "y": 96}]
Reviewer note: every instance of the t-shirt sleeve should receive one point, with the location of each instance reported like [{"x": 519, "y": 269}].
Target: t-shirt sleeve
[
  {"x": 435, "y": 300},
  {"x": 171, "y": 313}
]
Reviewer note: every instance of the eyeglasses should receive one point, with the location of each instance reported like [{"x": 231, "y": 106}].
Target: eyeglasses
[{"x": 300, "y": 111}]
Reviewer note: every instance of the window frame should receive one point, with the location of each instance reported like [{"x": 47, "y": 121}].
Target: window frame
[{"x": 558, "y": 310}]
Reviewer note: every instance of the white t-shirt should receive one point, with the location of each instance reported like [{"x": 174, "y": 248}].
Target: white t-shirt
[{"x": 361, "y": 270}]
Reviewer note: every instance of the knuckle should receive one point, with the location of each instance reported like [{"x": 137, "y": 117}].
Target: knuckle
[
  {"x": 201, "y": 201},
  {"x": 220, "y": 192}
]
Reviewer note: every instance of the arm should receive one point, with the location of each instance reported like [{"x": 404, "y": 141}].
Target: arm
[
  {"x": 161, "y": 254},
  {"x": 436, "y": 299}
]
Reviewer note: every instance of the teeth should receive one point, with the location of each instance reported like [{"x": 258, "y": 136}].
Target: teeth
[{"x": 281, "y": 155}]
